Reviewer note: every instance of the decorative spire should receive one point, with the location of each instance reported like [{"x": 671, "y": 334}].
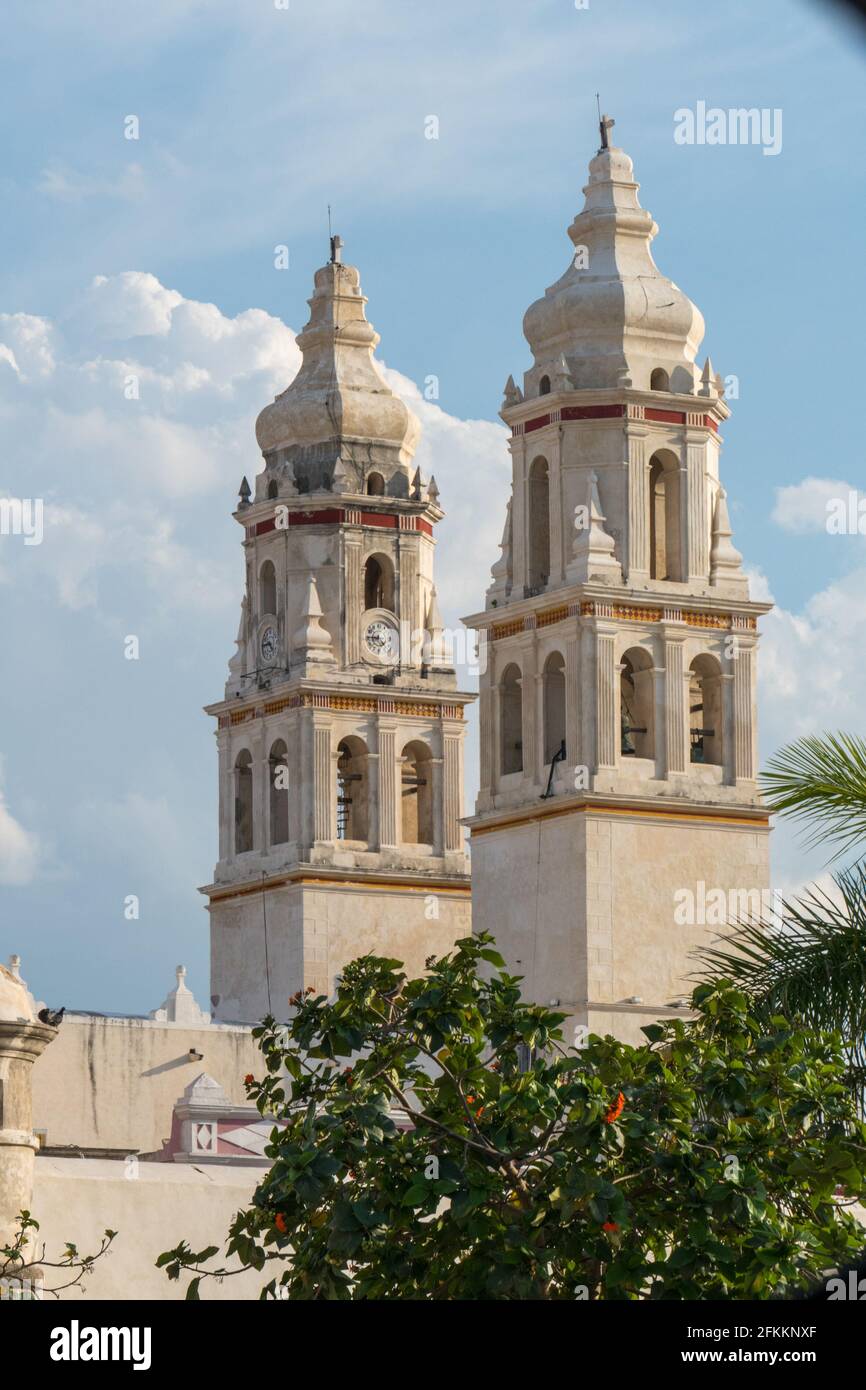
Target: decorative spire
[
  {"x": 594, "y": 548},
  {"x": 708, "y": 380},
  {"x": 726, "y": 562},
  {"x": 416, "y": 486},
  {"x": 436, "y": 650},
  {"x": 180, "y": 1004},
  {"x": 433, "y": 491},
  {"x": 512, "y": 394},
  {"x": 244, "y": 492},
  {"x": 562, "y": 376},
  {"x": 311, "y": 643},
  {"x": 500, "y": 572}
]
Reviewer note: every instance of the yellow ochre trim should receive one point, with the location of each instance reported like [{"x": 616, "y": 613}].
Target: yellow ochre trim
[
  {"x": 310, "y": 880},
  {"x": 758, "y": 822}
]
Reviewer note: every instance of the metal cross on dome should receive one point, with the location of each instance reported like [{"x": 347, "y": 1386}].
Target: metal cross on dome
[{"x": 605, "y": 124}]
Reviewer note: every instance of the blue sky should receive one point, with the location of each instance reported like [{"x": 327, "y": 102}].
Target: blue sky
[{"x": 156, "y": 255}]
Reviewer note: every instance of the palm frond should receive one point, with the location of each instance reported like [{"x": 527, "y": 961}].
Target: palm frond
[
  {"x": 821, "y": 780},
  {"x": 809, "y": 962}
]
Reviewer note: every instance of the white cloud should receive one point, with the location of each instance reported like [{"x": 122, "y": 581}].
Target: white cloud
[
  {"x": 805, "y": 507},
  {"x": 28, "y": 344},
  {"x": 19, "y": 849},
  {"x": 70, "y": 186}
]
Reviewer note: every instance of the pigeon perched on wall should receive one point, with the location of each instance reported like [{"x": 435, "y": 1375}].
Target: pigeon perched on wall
[{"x": 53, "y": 1017}]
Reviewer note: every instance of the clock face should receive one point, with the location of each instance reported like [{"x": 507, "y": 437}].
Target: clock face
[
  {"x": 269, "y": 644},
  {"x": 381, "y": 641}
]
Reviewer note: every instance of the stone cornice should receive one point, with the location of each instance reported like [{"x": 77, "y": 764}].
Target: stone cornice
[
  {"x": 563, "y": 407},
  {"x": 625, "y": 604},
  {"x": 335, "y": 697}
]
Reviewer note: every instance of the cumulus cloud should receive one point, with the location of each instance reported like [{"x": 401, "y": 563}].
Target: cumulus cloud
[
  {"x": 19, "y": 849},
  {"x": 812, "y": 505}
]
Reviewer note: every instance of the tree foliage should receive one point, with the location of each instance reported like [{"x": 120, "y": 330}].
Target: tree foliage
[{"x": 436, "y": 1139}]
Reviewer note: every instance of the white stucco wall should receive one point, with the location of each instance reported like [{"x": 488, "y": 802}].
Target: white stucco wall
[{"x": 77, "y": 1199}]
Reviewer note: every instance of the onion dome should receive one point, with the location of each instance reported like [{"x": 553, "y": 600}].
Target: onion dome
[
  {"x": 338, "y": 418},
  {"x": 613, "y": 317}
]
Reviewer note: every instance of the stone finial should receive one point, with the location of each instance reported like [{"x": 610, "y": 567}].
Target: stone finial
[
  {"x": 562, "y": 376},
  {"x": 432, "y": 490},
  {"x": 726, "y": 562},
  {"x": 244, "y": 492},
  {"x": 180, "y": 1005},
  {"x": 500, "y": 572},
  {"x": 708, "y": 380},
  {"x": 417, "y": 485},
  {"x": 436, "y": 650},
  {"x": 312, "y": 642},
  {"x": 593, "y": 551},
  {"x": 512, "y": 394}
]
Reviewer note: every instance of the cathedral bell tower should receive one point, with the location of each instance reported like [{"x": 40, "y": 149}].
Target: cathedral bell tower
[
  {"x": 618, "y": 709},
  {"x": 341, "y": 732}
]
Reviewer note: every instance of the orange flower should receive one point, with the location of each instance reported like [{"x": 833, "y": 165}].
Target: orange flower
[
  {"x": 470, "y": 1100},
  {"x": 615, "y": 1110},
  {"x": 249, "y": 1079},
  {"x": 280, "y": 1223},
  {"x": 610, "y": 1226}
]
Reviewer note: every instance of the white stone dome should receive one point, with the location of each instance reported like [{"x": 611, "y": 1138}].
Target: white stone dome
[
  {"x": 613, "y": 316},
  {"x": 338, "y": 393}
]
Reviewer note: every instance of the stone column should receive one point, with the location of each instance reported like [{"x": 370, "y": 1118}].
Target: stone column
[
  {"x": 486, "y": 736},
  {"x": 354, "y": 599},
  {"x": 531, "y": 720},
  {"x": 677, "y": 750},
  {"x": 575, "y": 752},
  {"x": 607, "y": 726},
  {"x": 323, "y": 780},
  {"x": 389, "y": 827},
  {"x": 698, "y": 523},
  {"x": 436, "y": 772},
  {"x": 558, "y": 560},
  {"x": 636, "y": 560},
  {"x": 226, "y": 794},
  {"x": 657, "y": 674},
  {"x": 411, "y": 617},
  {"x": 22, "y": 1039},
  {"x": 452, "y": 791},
  {"x": 743, "y": 716},
  {"x": 518, "y": 517}
]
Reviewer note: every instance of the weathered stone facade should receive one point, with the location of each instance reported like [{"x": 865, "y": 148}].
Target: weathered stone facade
[{"x": 618, "y": 699}]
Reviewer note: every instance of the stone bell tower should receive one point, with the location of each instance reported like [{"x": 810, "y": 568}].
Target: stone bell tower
[
  {"x": 618, "y": 708},
  {"x": 341, "y": 732}
]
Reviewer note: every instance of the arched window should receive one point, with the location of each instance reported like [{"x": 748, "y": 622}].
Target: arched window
[
  {"x": 376, "y": 485},
  {"x": 279, "y": 793},
  {"x": 267, "y": 589},
  {"x": 706, "y": 710},
  {"x": 659, "y": 380},
  {"x": 379, "y": 583},
  {"x": 416, "y": 800},
  {"x": 664, "y": 517},
  {"x": 553, "y": 680},
  {"x": 511, "y": 722},
  {"x": 352, "y": 790},
  {"x": 539, "y": 524},
  {"x": 544, "y": 386},
  {"x": 243, "y": 802},
  {"x": 637, "y": 705},
  {"x": 273, "y": 489}
]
